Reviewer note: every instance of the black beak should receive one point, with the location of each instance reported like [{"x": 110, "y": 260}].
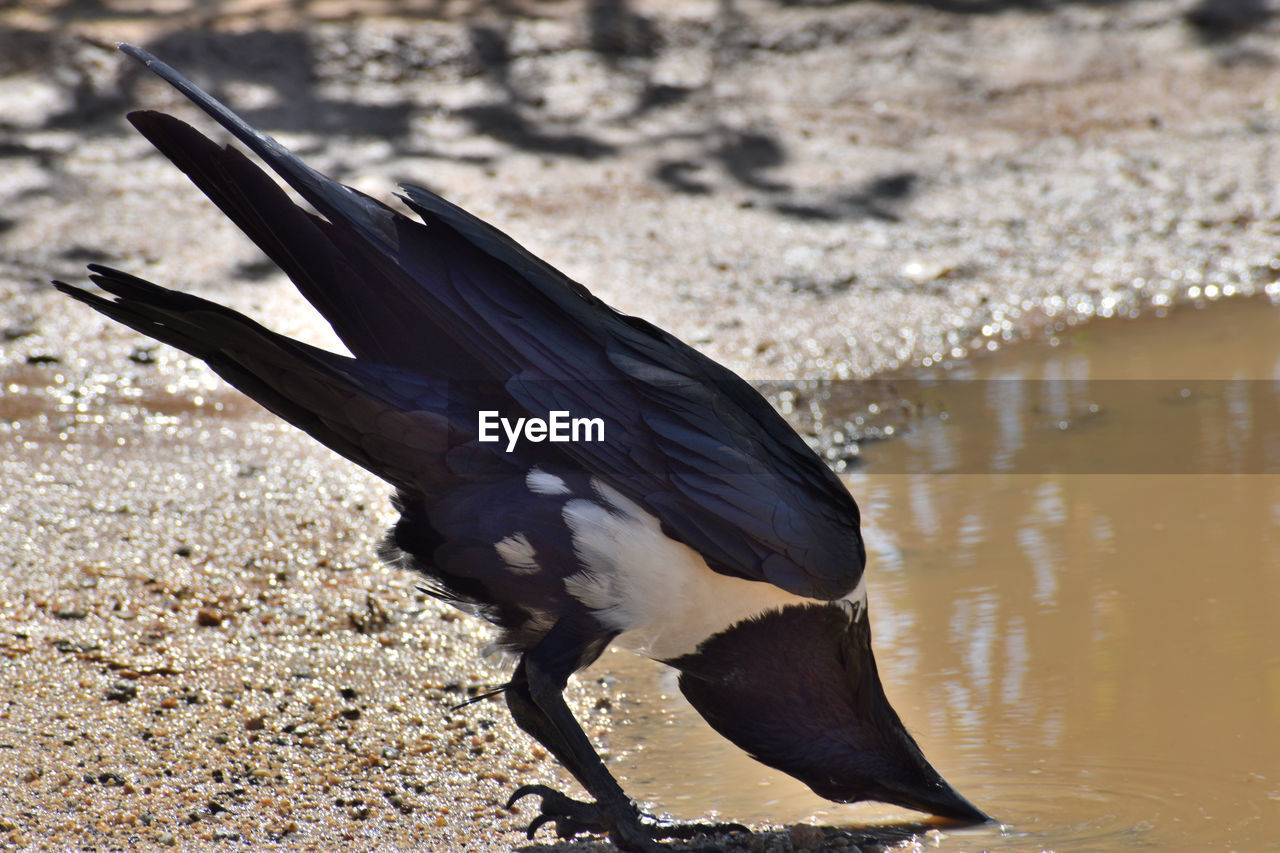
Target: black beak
[
  {"x": 918, "y": 786},
  {"x": 922, "y": 788},
  {"x": 945, "y": 801}
]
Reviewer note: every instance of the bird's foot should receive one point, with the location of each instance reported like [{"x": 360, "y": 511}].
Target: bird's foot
[
  {"x": 624, "y": 824},
  {"x": 571, "y": 817}
]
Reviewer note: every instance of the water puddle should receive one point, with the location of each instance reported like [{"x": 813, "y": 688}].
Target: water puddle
[{"x": 1075, "y": 593}]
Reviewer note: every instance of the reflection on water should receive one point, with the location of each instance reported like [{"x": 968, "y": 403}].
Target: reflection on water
[
  {"x": 1020, "y": 425},
  {"x": 1093, "y": 658}
]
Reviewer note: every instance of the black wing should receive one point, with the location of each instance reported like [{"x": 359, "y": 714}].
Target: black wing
[{"x": 454, "y": 299}]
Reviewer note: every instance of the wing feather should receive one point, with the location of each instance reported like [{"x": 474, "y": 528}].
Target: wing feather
[{"x": 685, "y": 437}]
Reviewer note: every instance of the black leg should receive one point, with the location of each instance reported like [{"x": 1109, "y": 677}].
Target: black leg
[{"x": 535, "y": 696}]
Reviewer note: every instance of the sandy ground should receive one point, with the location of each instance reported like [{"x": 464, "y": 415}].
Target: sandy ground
[{"x": 199, "y": 647}]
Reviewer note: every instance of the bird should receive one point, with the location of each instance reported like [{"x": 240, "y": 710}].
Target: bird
[{"x": 687, "y": 521}]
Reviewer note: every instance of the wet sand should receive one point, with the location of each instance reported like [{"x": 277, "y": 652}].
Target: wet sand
[{"x": 199, "y": 647}]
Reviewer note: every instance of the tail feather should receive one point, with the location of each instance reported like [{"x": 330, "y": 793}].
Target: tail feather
[{"x": 400, "y": 431}]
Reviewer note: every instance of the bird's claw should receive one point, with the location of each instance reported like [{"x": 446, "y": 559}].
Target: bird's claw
[{"x": 572, "y": 817}]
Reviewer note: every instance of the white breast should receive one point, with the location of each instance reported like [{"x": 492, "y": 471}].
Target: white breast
[{"x": 658, "y": 592}]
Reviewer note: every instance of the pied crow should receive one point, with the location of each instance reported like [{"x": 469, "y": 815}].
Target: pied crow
[{"x": 695, "y": 526}]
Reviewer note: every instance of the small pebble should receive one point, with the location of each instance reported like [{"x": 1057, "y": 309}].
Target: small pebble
[
  {"x": 122, "y": 691},
  {"x": 806, "y": 836},
  {"x": 208, "y": 617}
]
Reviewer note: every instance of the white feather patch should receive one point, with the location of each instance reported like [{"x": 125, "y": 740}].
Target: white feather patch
[
  {"x": 542, "y": 483},
  {"x": 658, "y": 592},
  {"x": 517, "y": 552}
]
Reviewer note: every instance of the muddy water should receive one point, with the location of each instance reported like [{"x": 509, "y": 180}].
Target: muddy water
[{"x": 1092, "y": 657}]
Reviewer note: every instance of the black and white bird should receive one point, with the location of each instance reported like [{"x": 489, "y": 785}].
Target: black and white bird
[{"x": 701, "y": 531}]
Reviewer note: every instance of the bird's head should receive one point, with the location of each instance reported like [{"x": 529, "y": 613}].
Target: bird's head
[{"x": 797, "y": 688}]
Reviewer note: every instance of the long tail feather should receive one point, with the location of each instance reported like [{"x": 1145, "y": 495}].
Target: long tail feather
[{"x": 400, "y": 432}]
